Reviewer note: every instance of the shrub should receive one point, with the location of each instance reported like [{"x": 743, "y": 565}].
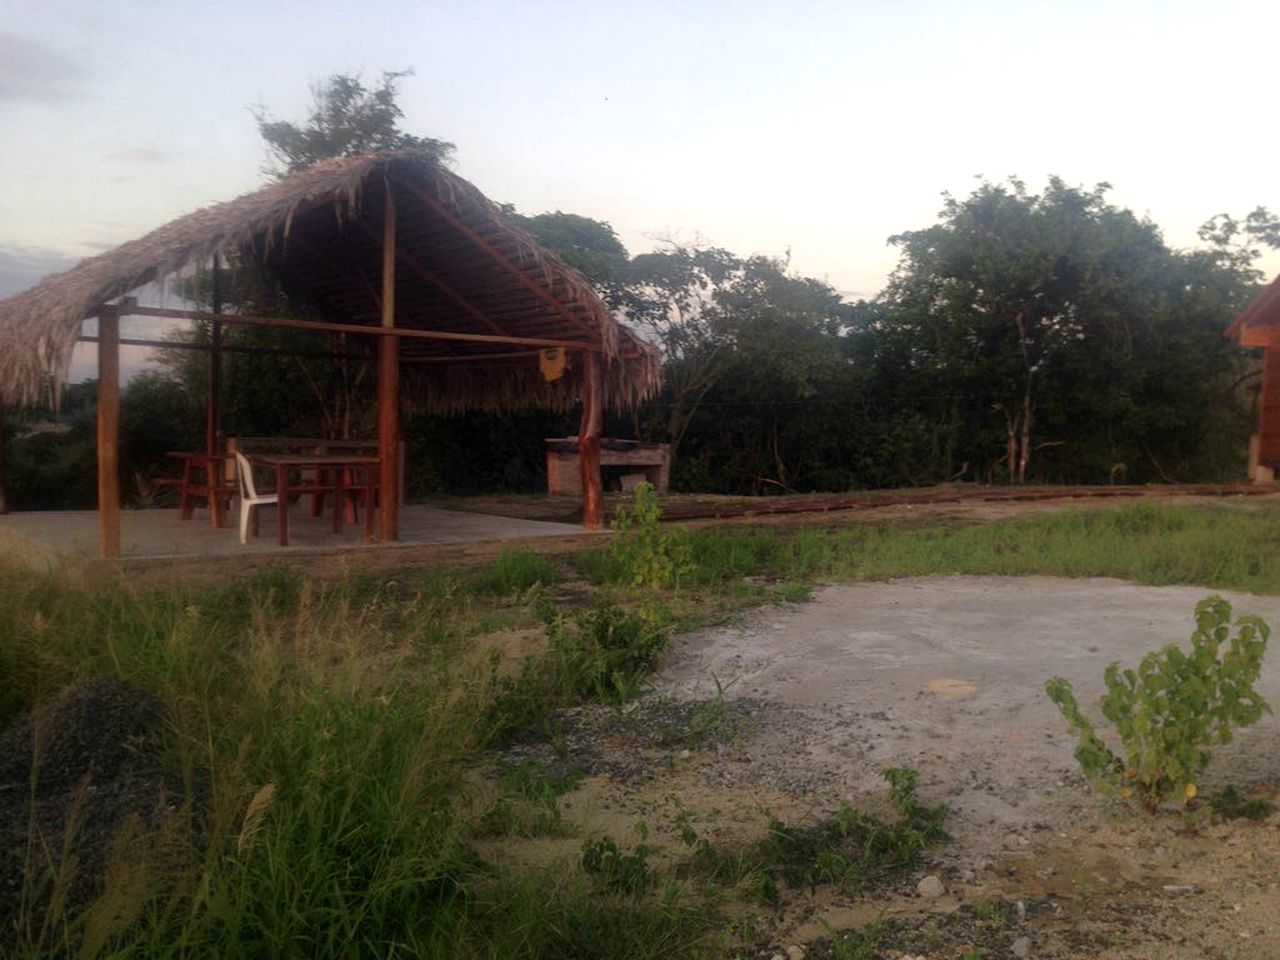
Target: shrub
[
  {"x": 645, "y": 554},
  {"x": 1172, "y": 708}
]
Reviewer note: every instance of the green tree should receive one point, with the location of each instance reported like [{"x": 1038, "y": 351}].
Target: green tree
[
  {"x": 778, "y": 364},
  {"x": 282, "y": 381},
  {"x": 589, "y": 246},
  {"x": 347, "y": 119},
  {"x": 1046, "y": 321}
]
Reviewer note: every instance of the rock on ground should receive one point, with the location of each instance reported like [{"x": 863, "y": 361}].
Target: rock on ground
[{"x": 931, "y": 887}]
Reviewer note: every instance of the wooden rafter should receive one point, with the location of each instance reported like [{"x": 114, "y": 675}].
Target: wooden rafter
[
  {"x": 498, "y": 256},
  {"x": 434, "y": 279}
]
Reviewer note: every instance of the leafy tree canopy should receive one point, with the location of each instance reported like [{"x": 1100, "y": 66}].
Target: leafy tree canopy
[{"x": 347, "y": 119}]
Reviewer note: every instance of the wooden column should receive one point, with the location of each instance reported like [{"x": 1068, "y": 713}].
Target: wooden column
[
  {"x": 213, "y": 404},
  {"x": 109, "y": 431},
  {"x": 589, "y": 441},
  {"x": 389, "y": 384},
  {"x": 4, "y": 462}
]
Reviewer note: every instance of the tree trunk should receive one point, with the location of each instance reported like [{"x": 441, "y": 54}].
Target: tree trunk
[
  {"x": 1027, "y": 416},
  {"x": 1011, "y": 447},
  {"x": 780, "y": 468}
]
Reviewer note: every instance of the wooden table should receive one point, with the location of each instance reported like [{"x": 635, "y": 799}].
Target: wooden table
[
  {"x": 213, "y": 488},
  {"x": 341, "y": 465}
]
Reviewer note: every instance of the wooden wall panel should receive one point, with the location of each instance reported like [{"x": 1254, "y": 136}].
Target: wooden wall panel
[{"x": 1269, "y": 413}]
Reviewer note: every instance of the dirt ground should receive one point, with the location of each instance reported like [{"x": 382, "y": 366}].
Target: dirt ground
[
  {"x": 706, "y": 506},
  {"x": 946, "y": 675}
]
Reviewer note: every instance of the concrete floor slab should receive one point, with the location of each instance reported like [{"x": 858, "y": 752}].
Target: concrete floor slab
[{"x": 157, "y": 534}]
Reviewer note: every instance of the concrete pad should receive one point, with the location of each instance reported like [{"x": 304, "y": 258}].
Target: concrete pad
[
  {"x": 946, "y": 675},
  {"x": 41, "y": 537}
]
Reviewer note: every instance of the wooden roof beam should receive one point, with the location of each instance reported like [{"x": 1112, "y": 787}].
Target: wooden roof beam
[
  {"x": 449, "y": 217},
  {"x": 322, "y": 326},
  {"x": 501, "y": 355}
]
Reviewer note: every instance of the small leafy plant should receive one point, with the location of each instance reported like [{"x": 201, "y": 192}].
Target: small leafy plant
[
  {"x": 1171, "y": 709},
  {"x": 617, "y": 870},
  {"x": 606, "y": 653},
  {"x": 647, "y": 555},
  {"x": 850, "y": 849}
]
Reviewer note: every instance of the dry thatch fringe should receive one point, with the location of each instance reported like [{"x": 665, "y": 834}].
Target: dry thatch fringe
[
  {"x": 255, "y": 815},
  {"x": 39, "y": 328},
  {"x": 507, "y": 385}
]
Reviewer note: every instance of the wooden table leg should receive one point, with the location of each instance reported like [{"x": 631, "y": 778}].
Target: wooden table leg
[
  {"x": 368, "y": 505},
  {"x": 282, "y": 504},
  {"x": 339, "y": 499},
  {"x": 321, "y": 479},
  {"x": 351, "y": 509},
  {"x": 184, "y": 494},
  {"x": 214, "y": 484}
]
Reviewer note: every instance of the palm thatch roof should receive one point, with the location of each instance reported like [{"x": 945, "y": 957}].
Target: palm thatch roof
[{"x": 462, "y": 267}]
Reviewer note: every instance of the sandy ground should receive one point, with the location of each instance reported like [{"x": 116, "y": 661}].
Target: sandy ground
[{"x": 946, "y": 675}]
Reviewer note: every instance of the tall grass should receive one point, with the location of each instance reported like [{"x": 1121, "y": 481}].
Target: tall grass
[
  {"x": 1223, "y": 546},
  {"x": 324, "y": 732}
]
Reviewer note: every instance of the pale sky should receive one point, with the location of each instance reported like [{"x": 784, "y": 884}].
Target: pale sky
[{"x": 821, "y": 128}]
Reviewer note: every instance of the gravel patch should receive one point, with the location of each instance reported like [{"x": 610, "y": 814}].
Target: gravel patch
[{"x": 74, "y": 775}]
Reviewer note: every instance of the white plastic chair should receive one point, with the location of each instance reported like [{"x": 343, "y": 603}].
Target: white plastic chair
[{"x": 250, "y": 499}]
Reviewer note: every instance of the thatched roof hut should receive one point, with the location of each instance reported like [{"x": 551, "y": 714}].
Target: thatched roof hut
[
  {"x": 463, "y": 268},
  {"x": 463, "y": 304}
]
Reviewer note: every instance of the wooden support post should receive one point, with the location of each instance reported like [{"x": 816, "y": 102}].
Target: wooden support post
[
  {"x": 213, "y": 405},
  {"x": 4, "y": 462},
  {"x": 109, "y": 431},
  {"x": 389, "y": 384},
  {"x": 589, "y": 441}
]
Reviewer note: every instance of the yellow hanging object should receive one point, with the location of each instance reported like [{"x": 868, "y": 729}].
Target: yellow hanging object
[{"x": 552, "y": 362}]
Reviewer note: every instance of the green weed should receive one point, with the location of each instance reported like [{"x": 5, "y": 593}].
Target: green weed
[
  {"x": 1172, "y": 708},
  {"x": 851, "y": 849},
  {"x": 513, "y": 572},
  {"x": 1230, "y": 804},
  {"x": 606, "y": 652},
  {"x": 644, "y": 553},
  {"x": 528, "y": 805},
  {"x": 616, "y": 869}
]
